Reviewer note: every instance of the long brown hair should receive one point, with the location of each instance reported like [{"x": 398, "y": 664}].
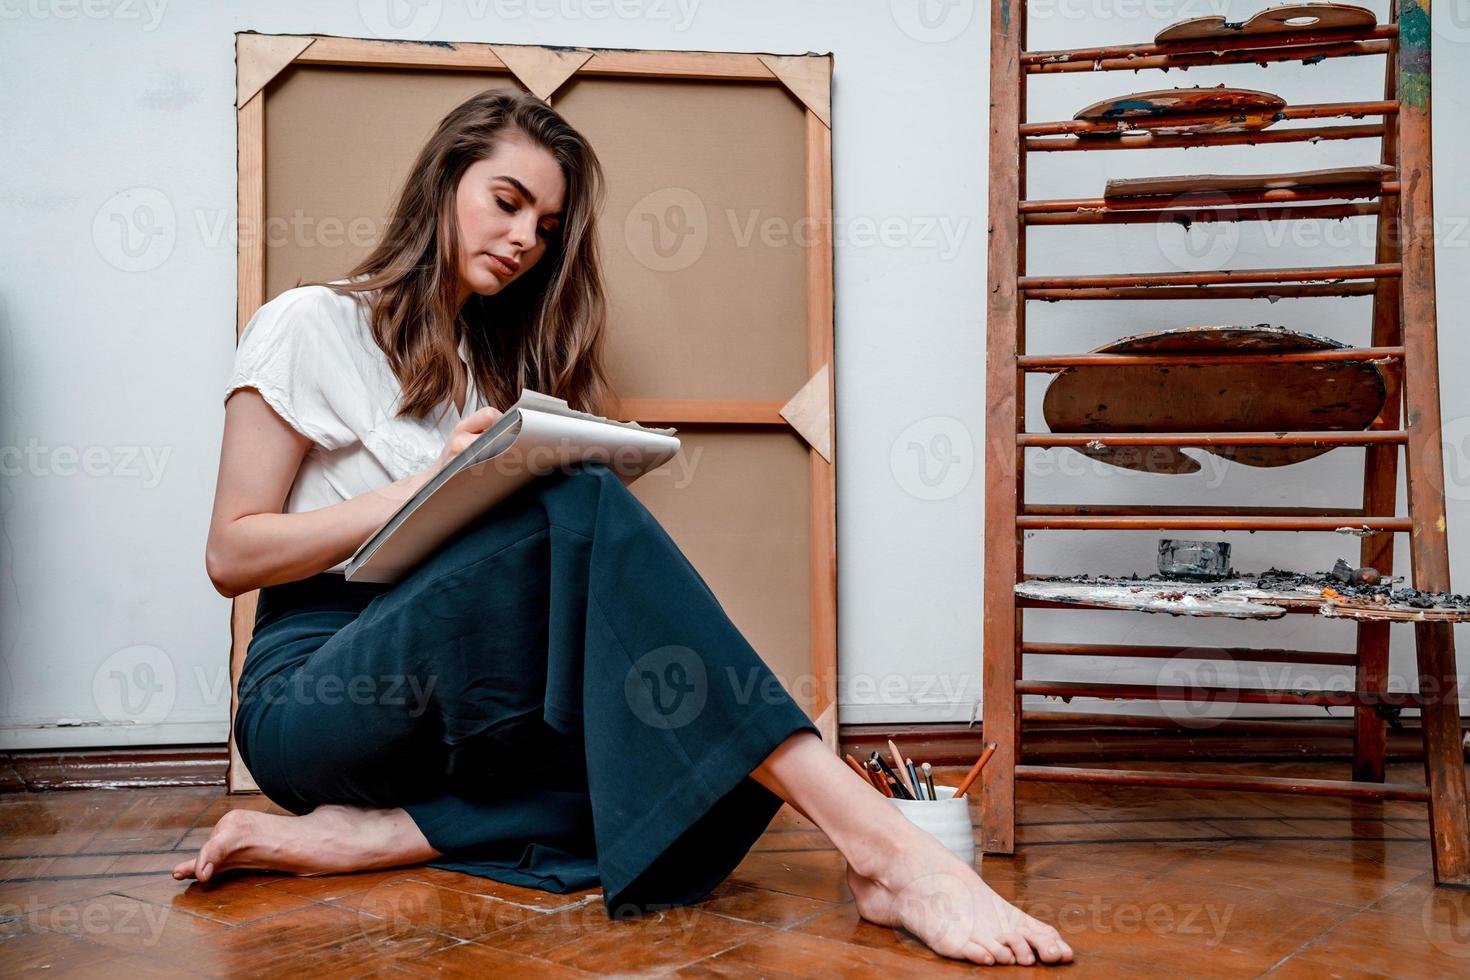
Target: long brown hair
[{"x": 544, "y": 330}]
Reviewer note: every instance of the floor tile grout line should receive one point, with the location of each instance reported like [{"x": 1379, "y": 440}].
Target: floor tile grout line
[
  {"x": 198, "y": 817},
  {"x": 82, "y": 854},
  {"x": 1348, "y": 913}
]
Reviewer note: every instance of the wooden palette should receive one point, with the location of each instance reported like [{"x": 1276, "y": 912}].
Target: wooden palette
[
  {"x": 1332, "y": 395},
  {"x": 1178, "y": 111},
  {"x": 1364, "y": 179},
  {"x": 1286, "y": 19}
]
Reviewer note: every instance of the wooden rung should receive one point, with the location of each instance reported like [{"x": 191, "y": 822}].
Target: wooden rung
[
  {"x": 1291, "y": 727},
  {"x": 1261, "y": 55},
  {"x": 1220, "y": 781},
  {"x": 1270, "y": 292},
  {"x": 1206, "y": 522},
  {"x": 1207, "y": 45},
  {"x": 1156, "y": 141},
  {"x": 1326, "y": 273},
  {"x": 1186, "y": 216},
  {"x": 1154, "y": 510},
  {"x": 1222, "y": 695},
  {"x": 1322, "y": 110},
  {"x": 1092, "y": 440},
  {"x": 1204, "y": 198},
  {"x": 667, "y": 411},
  {"x": 1058, "y": 362},
  {"x": 1198, "y": 653}
]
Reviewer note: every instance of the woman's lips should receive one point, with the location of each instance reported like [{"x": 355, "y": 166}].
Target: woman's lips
[{"x": 500, "y": 266}]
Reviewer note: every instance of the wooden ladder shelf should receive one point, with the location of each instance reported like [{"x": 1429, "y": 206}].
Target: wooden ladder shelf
[{"x": 1400, "y": 279}]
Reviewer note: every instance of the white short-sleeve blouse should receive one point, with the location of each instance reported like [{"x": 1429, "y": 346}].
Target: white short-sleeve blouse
[{"x": 310, "y": 353}]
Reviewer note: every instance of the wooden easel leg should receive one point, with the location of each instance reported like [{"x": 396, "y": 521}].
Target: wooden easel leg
[
  {"x": 1370, "y": 732},
  {"x": 1001, "y": 725},
  {"x": 1004, "y": 396},
  {"x": 1380, "y": 467},
  {"x": 1444, "y": 763}
]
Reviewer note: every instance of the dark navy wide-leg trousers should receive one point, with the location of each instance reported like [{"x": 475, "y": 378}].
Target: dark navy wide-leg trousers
[{"x": 556, "y": 698}]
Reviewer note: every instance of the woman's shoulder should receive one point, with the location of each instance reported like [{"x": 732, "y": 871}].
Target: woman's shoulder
[
  {"x": 313, "y": 303},
  {"x": 313, "y": 315}
]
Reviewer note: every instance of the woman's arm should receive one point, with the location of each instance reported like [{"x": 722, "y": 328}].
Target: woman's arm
[{"x": 251, "y": 543}]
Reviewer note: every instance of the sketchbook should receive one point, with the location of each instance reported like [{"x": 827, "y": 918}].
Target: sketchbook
[{"x": 539, "y": 435}]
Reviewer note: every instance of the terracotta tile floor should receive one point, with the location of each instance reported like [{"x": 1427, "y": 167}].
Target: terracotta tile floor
[{"x": 1141, "y": 882}]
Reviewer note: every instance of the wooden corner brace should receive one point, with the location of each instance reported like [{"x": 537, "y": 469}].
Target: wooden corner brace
[
  {"x": 261, "y": 57},
  {"x": 810, "y": 412},
  {"x": 541, "y": 70},
  {"x": 808, "y": 77}
]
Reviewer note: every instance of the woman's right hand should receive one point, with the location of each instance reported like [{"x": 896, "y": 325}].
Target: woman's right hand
[{"x": 470, "y": 428}]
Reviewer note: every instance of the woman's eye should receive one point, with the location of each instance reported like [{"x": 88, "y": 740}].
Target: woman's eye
[{"x": 506, "y": 207}]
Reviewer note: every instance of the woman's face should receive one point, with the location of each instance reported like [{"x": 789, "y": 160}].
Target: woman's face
[{"x": 509, "y": 205}]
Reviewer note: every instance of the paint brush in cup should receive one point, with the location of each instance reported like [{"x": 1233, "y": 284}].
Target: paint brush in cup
[
  {"x": 974, "y": 772},
  {"x": 899, "y": 771},
  {"x": 918, "y": 787}
]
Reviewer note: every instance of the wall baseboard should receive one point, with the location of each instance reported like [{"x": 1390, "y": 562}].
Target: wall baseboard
[
  {"x": 113, "y": 768},
  {"x": 941, "y": 744}
]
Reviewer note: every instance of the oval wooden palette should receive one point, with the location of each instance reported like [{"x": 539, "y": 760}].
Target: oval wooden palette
[
  {"x": 1176, "y": 111},
  {"x": 1334, "y": 395},
  {"x": 1285, "y": 19}
]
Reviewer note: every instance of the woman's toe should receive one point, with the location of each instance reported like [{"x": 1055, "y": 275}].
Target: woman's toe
[
  {"x": 999, "y": 950},
  {"x": 184, "y": 869},
  {"x": 1049, "y": 945},
  {"x": 977, "y": 953},
  {"x": 1019, "y": 947}
]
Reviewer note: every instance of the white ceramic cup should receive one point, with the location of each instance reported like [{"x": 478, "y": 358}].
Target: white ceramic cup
[{"x": 947, "y": 819}]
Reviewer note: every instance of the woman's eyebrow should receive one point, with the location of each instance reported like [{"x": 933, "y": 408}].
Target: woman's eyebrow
[{"x": 524, "y": 191}]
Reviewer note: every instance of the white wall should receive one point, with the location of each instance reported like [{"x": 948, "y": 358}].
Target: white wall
[{"x": 114, "y": 347}]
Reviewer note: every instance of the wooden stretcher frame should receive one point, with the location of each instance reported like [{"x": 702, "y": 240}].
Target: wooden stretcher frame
[{"x": 809, "y": 411}]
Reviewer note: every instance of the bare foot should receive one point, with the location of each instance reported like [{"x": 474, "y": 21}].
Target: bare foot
[
  {"x": 921, "y": 886},
  {"x": 330, "y": 839}
]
